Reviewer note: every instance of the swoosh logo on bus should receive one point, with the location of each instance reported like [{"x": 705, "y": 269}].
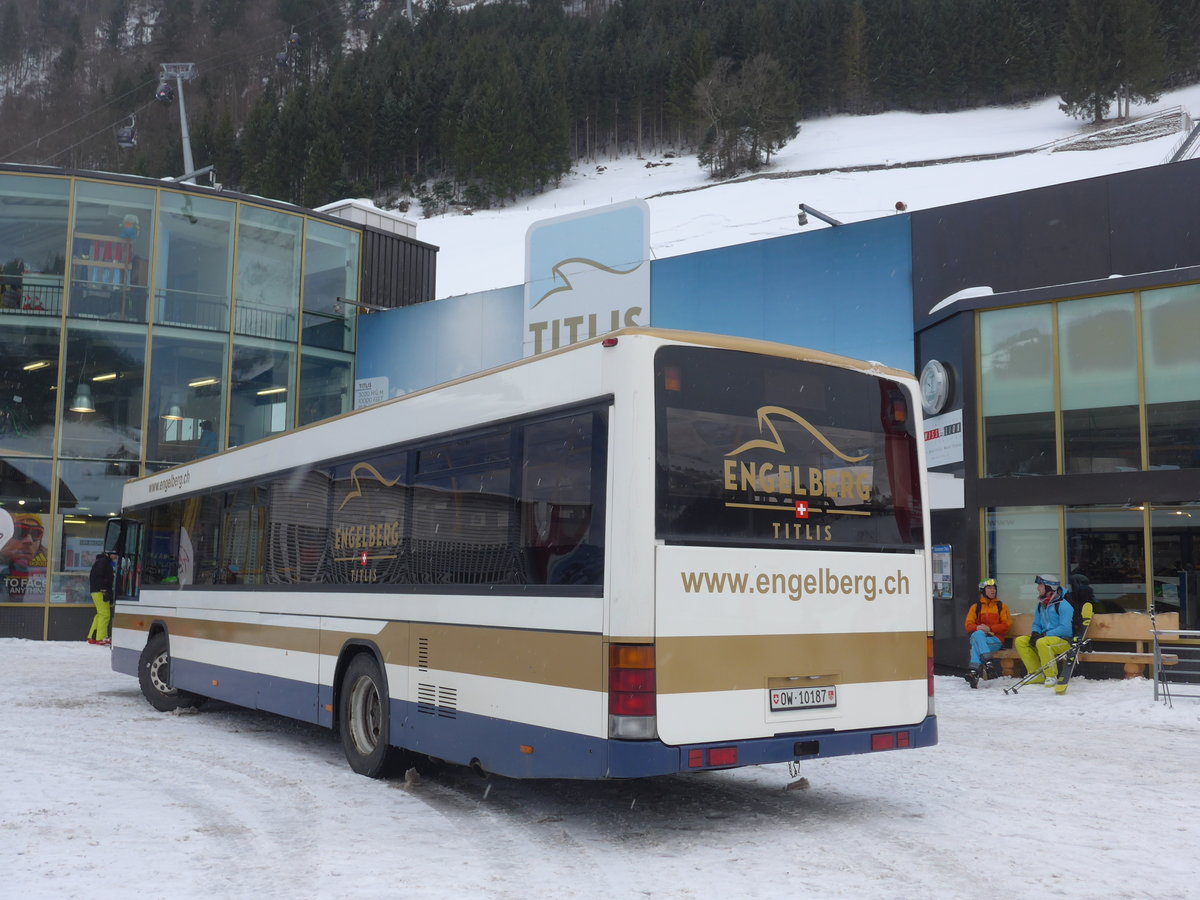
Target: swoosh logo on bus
[
  {"x": 764, "y": 422},
  {"x": 355, "y": 474},
  {"x": 560, "y": 275}
]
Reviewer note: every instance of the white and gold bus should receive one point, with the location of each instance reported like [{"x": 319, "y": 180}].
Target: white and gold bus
[{"x": 647, "y": 553}]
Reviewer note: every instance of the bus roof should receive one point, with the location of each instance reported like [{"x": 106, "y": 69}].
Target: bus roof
[{"x": 168, "y": 480}]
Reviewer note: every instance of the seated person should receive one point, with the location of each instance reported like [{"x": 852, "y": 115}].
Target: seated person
[{"x": 988, "y": 621}]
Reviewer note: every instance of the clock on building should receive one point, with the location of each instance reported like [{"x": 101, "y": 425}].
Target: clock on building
[{"x": 935, "y": 387}]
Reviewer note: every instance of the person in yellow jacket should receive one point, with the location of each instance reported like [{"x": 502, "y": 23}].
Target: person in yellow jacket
[{"x": 988, "y": 621}]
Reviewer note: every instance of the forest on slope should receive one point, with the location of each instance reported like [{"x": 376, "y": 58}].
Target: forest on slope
[{"x": 313, "y": 100}]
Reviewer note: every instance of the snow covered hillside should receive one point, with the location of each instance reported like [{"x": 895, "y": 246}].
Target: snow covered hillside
[{"x": 689, "y": 213}]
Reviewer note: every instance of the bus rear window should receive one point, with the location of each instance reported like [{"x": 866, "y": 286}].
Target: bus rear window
[{"x": 758, "y": 450}]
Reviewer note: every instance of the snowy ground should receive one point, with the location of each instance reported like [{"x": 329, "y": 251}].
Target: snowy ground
[
  {"x": 487, "y": 249},
  {"x": 1091, "y": 794}
]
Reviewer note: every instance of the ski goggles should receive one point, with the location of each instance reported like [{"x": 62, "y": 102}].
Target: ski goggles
[
  {"x": 1046, "y": 581},
  {"x": 987, "y": 583},
  {"x": 21, "y": 531}
]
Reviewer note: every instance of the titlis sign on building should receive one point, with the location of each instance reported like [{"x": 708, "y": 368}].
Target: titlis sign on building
[{"x": 586, "y": 274}]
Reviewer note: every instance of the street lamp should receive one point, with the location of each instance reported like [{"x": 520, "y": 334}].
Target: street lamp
[{"x": 806, "y": 211}]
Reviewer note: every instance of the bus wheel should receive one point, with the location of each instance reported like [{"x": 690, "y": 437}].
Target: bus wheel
[
  {"x": 363, "y": 718},
  {"x": 154, "y": 675}
]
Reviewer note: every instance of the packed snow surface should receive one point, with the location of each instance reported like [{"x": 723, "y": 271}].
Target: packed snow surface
[{"x": 1089, "y": 794}]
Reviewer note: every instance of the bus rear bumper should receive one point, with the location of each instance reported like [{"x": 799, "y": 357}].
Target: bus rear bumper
[{"x": 638, "y": 759}]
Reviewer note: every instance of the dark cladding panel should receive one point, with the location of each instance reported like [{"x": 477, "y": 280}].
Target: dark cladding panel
[
  {"x": 1052, "y": 235},
  {"x": 1155, "y": 218},
  {"x": 397, "y": 271}
]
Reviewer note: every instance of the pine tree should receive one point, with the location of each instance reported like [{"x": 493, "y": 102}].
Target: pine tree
[{"x": 1111, "y": 50}]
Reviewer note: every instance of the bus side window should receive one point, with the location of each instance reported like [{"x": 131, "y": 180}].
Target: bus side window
[{"x": 557, "y": 503}]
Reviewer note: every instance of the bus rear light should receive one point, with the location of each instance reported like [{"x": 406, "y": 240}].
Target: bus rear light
[
  {"x": 629, "y": 703},
  {"x": 722, "y": 756},
  {"x": 891, "y": 740},
  {"x": 712, "y": 758},
  {"x": 632, "y": 698},
  {"x": 929, "y": 673},
  {"x": 631, "y": 680}
]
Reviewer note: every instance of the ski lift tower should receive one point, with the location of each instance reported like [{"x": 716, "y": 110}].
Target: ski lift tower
[{"x": 182, "y": 72}]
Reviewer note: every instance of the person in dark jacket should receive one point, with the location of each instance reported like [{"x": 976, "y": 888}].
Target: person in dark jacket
[{"x": 100, "y": 582}]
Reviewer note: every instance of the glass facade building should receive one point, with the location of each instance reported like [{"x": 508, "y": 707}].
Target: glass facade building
[
  {"x": 145, "y": 324},
  {"x": 1086, "y": 386},
  {"x": 1067, "y": 438}
]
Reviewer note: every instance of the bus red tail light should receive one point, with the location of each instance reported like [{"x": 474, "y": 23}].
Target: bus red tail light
[{"x": 632, "y": 683}]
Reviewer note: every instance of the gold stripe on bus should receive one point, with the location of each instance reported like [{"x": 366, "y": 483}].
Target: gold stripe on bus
[
  {"x": 779, "y": 507},
  {"x": 563, "y": 659},
  {"x": 746, "y": 662}
]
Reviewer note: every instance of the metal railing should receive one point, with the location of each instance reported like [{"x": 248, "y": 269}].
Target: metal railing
[{"x": 1184, "y": 673}]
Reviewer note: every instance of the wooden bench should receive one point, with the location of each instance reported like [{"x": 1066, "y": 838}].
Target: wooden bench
[{"x": 1107, "y": 628}]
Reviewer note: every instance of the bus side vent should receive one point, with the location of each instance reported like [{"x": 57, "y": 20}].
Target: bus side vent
[
  {"x": 422, "y": 654},
  {"x": 448, "y": 703},
  {"x": 427, "y": 699}
]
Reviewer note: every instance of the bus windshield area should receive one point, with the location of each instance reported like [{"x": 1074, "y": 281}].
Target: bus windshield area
[{"x": 774, "y": 452}]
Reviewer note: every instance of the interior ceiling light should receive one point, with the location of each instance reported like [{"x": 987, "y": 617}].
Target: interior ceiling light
[
  {"x": 202, "y": 382},
  {"x": 83, "y": 400},
  {"x": 108, "y": 376},
  {"x": 33, "y": 366},
  {"x": 275, "y": 390}
]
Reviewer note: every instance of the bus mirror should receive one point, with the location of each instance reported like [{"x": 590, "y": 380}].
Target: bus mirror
[{"x": 120, "y": 536}]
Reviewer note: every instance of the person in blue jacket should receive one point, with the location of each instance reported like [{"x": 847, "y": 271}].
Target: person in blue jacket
[{"x": 1051, "y": 633}]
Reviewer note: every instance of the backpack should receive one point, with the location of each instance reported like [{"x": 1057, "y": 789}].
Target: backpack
[{"x": 1077, "y": 624}]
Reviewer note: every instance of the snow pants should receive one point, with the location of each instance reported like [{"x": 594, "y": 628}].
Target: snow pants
[
  {"x": 1042, "y": 655},
  {"x": 99, "y": 629},
  {"x": 982, "y": 642}
]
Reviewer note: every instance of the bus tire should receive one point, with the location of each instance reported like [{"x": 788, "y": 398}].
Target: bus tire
[
  {"x": 363, "y": 719},
  {"x": 154, "y": 675}
]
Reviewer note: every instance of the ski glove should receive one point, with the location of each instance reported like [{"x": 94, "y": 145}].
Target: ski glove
[{"x": 1035, "y": 637}]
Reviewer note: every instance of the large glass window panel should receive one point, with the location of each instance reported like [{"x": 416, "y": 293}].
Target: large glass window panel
[
  {"x": 1022, "y": 543},
  {"x": 195, "y": 261},
  {"x": 89, "y": 493},
  {"x": 326, "y": 384},
  {"x": 25, "y": 495},
  {"x": 1017, "y": 386},
  {"x": 102, "y": 391},
  {"x": 110, "y": 251},
  {"x": 268, "y": 273},
  {"x": 33, "y": 247},
  {"x": 1170, "y": 330},
  {"x": 1098, "y": 384},
  {"x": 1106, "y": 546},
  {"x": 187, "y": 407},
  {"x": 330, "y": 280},
  {"x": 1175, "y": 538},
  {"x": 262, "y": 395},
  {"x": 28, "y": 385}
]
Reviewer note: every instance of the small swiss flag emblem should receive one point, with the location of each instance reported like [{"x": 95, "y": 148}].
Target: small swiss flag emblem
[{"x": 801, "y": 509}]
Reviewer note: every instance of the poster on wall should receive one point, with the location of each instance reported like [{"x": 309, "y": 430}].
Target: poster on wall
[
  {"x": 586, "y": 274},
  {"x": 22, "y": 557},
  {"x": 943, "y": 577},
  {"x": 944, "y": 439}
]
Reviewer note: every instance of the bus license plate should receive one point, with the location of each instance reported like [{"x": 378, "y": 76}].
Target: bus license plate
[{"x": 803, "y": 697}]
